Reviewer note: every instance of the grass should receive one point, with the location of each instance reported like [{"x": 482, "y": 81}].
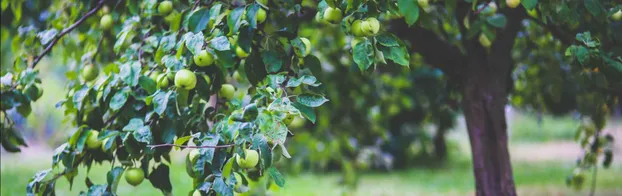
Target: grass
[
  {"x": 541, "y": 178},
  {"x": 526, "y": 127}
]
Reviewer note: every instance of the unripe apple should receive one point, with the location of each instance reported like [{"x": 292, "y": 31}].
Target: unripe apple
[
  {"x": 366, "y": 28},
  {"x": 165, "y": 7},
  {"x": 617, "y": 16},
  {"x": 297, "y": 122},
  {"x": 375, "y": 25},
  {"x": 250, "y": 161},
  {"x": 185, "y": 79},
  {"x": 162, "y": 81},
  {"x": 154, "y": 75},
  {"x": 196, "y": 192},
  {"x": 355, "y": 28},
  {"x": 240, "y": 52},
  {"x": 226, "y": 91},
  {"x": 170, "y": 76},
  {"x": 512, "y": 3},
  {"x": 92, "y": 142},
  {"x": 203, "y": 58},
  {"x": 261, "y": 15},
  {"x": 288, "y": 119},
  {"x": 483, "y": 39},
  {"x": 106, "y": 22},
  {"x": 237, "y": 77},
  {"x": 423, "y": 3},
  {"x": 90, "y": 72},
  {"x": 134, "y": 176},
  {"x": 333, "y": 15},
  {"x": 307, "y": 44}
]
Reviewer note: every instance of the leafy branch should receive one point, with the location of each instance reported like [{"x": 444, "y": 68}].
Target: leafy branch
[
  {"x": 47, "y": 50},
  {"x": 185, "y": 146}
]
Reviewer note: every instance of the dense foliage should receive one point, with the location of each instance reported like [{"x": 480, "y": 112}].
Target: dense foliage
[{"x": 231, "y": 78}]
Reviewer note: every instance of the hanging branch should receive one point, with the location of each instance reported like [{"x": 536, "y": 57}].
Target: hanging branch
[
  {"x": 47, "y": 50},
  {"x": 184, "y": 146}
]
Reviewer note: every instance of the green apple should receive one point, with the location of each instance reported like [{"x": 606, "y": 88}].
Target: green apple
[
  {"x": 483, "y": 39},
  {"x": 237, "y": 76},
  {"x": 33, "y": 91},
  {"x": 307, "y": 44},
  {"x": 162, "y": 81},
  {"x": 250, "y": 161},
  {"x": 165, "y": 7},
  {"x": 154, "y": 75},
  {"x": 196, "y": 192},
  {"x": 226, "y": 91},
  {"x": 203, "y": 58},
  {"x": 112, "y": 148},
  {"x": 106, "y": 22},
  {"x": 288, "y": 119},
  {"x": 240, "y": 52},
  {"x": 355, "y": 28},
  {"x": 263, "y": 2},
  {"x": 375, "y": 25},
  {"x": 185, "y": 79},
  {"x": 512, "y": 3},
  {"x": 261, "y": 15},
  {"x": 193, "y": 155},
  {"x": 24, "y": 109},
  {"x": 617, "y": 16},
  {"x": 92, "y": 142},
  {"x": 134, "y": 176},
  {"x": 90, "y": 72},
  {"x": 170, "y": 76},
  {"x": 297, "y": 122},
  {"x": 423, "y": 3},
  {"x": 333, "y": 15}
]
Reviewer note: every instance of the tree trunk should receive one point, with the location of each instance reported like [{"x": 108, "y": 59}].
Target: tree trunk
[
  {"x": 485, "y": 97},
  {"x": 440, "y": 146}
]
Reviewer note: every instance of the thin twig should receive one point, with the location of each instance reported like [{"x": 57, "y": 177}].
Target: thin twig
[
  {"x": 482, "y": 8},
  {"x": 65, "y": 31},
  {"x": 184, "y": 146},
  {"x": 98, "y": 48}
]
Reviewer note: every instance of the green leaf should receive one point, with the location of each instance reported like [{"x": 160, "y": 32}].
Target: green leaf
[
  {"x": 130, "y": 72},
  {"x": 160, "y": 178},
  {"x": 234, "y": 19},
  {"x": 363, "y": 54},
  {"x": 497, "y": 20},
  {"x": 118, "y": 100},
  {"x": 273, "y": 60},
  {"x": 160, "y": 101},
  {"x": 306, "y": 111},
  {"x": 276, "y": 175},
  {"x": 306, "y": 79},
  {"x": 146, "y": 83},
  {"x": 220, "y": 43},
  {"x": 529, "y": 4},
  {"x": 254, "y": 68},
  {"x": 134, "y": 124},
  {"x": 194, "y": 42},
  {"x": 198, "y": 20},
  {"x": 387, "y": 39},
  {"x": 113, "y": 178},
  {"x": 582, "y": 54},
  {"x": 143, "y": 134},
  {"x": 410, "y": 10},
  {"x": 398, "y": 55},
  {"x": 221, "y": 188},
  {"x": 311, "y": 100},
  {"x": 227, "y": 169},
  {"x": 251, "y": 15},
  {"x": 47, "y": 36},
  {"x": 260, "y": 142}
]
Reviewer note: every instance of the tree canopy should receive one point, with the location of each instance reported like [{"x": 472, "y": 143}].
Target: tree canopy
[{"x": 234, "y": 80}]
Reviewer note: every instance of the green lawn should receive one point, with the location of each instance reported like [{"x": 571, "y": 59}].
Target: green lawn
[
  {"x": 454, "y": 179},
  {"x": 526, "y": 127}
]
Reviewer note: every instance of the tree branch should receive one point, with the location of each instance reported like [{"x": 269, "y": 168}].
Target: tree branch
[
  {"x": 435, "y": 51},
  {"x": 67, "y": 30},
  {"x": 184, "y": 146},
  {"x": 557, "y": 33}
]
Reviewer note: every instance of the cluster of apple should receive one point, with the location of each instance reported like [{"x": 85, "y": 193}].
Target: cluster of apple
[{"x": 133, "y": 176}]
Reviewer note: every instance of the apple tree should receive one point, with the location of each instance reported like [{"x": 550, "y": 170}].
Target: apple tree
[{"x": 225, "y": 78}]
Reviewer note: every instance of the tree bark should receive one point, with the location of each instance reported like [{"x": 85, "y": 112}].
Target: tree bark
[{"x": 483, "y": 107}]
